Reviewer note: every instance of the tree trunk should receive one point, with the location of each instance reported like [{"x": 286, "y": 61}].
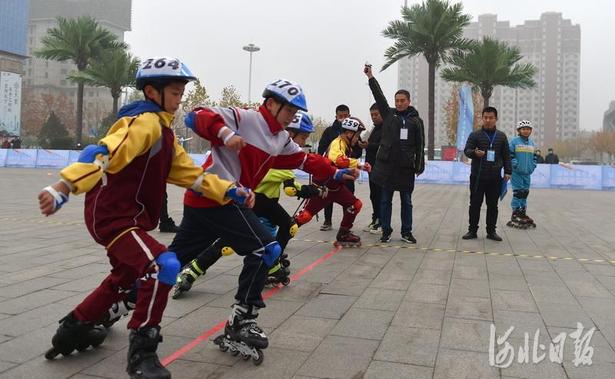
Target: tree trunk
[
  {"x": 486, "y": 94},
  {"x": 79, "y": 125},
  {"x": 431, "y": 111},
  {"x": 115, "y": 102}
]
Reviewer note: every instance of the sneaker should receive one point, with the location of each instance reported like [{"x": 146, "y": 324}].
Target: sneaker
[
  {"x": 409, "y": 238},
  {"x": 470, "y": 235},
  {"x": 326, "y": 226},
  {"x": 370, "y": 226},
  {"x": 376, "y": 228},
  {"x": 494, "y": 236},
  {"x": 386, "y": 237}
]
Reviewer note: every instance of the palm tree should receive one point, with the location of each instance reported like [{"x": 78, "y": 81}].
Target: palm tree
[
  {"x": 490, "y": 63},
  {"x": 79, "y": 40},
  {"x": 433, "y": 29},
  {"x": 115, "y": 70}
]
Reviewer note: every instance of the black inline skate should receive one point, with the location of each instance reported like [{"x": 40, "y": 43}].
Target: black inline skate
[
  {"x": 345, "y": 238},
  {"x": 73, "y": 334},
  {"x": 120, "y": 309},
  {"x": 242, "y": 335},
  {"x": 278, "y": 274},
  {"x": 185, "y": 278},
  {"x": 527, "y": 218},
  {"x": 143, "y": 362},
  {"x": 517, "y": 221}
]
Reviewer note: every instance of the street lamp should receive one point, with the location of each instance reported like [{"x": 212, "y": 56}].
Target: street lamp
[{"x": 250, "y": 48}]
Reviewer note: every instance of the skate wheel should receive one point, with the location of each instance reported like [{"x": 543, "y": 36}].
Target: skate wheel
[
  {"x": 51, "y": 353},
  {"x": 245, "y": 357},
  {"x": 234, "y": 352},
  {"x": 259, "y": 358},
  {"x": 285, "y": 263},
  {"x": 223, "y": 348},
  {"x": 286, "y": 281},
  {"x": 82, "y": 348}
]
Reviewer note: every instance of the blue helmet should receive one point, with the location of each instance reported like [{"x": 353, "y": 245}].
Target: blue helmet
[
  {"x": 287, "y": 93},
  {"x": 302, "y": 123},
  {"x": 160, "y": 71}
]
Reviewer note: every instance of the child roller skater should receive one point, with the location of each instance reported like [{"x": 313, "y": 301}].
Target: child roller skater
[
  {"x": 268, "y": 208},
  {"x": 523, "y": 159},
  {"x": 124, "y": 178},
  {"x": 339, "y": 152}
]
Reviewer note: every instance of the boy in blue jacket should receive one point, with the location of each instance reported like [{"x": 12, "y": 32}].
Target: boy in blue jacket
[{"x": 522, "y": 150}]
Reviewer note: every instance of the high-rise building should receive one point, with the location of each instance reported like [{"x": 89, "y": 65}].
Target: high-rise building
[
  {"x": 552, "y": 44},
  {"x": 608, "y": 122},
  {"x": 44, "y": 76},
  {"x": 13, "y": 51}
]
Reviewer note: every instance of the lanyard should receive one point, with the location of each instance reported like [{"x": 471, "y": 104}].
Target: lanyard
[{"x": 491, "y": 139}]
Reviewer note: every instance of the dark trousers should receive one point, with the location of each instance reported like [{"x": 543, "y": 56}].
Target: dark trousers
[
  {"x": 489, "y": 190},
  {"x": 164, "y": 210},
  {"x": 341, "y": 196},
  {"x": 273, "y": 211},
  {"x": 375, "y": 196},
  {"x": 329, "y": 208},
  {"x": 205, "y": 231}
]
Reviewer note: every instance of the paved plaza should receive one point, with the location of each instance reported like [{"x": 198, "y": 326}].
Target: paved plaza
[{"x": 379, "y": 311}]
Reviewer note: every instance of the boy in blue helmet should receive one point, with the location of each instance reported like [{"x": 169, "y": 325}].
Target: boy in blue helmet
[
  {"x": 124, "y": 178},
  {"x": 523, "y": 159}
]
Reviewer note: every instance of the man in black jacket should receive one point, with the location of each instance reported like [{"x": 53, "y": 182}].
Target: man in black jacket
[
  {"x": 399, "y": 158},
  {"x": 551, "y": 158},
  {"x": 332, "y": 132},
  {"x": 373, "y": 142},
  {"x": 488, "y": 149}
]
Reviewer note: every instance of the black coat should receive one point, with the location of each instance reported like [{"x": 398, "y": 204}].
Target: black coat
[
  {"x": 398, "y": 160},
  {"x": 481, "y": 167},
  {"x": 373, "y": 142},
  {"x": 552, "y": 158}
]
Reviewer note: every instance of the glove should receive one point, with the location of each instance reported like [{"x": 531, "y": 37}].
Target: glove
[
  {"x": 308, "y": 191},
  {"x": 89, "y": 153},
  {"x": 237, "y": 197},
  {"x": 339, "y": 174},
  {"x": 190, "y": 121},
  {"x": 289, "y": 187}
]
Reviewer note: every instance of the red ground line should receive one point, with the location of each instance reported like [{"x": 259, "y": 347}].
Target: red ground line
[{"x": 210, "y": 332}]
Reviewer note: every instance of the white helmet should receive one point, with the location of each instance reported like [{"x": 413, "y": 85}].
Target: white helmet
[
  {"x": 524, "y": 124},
  {"x": 352, "y": 124}
]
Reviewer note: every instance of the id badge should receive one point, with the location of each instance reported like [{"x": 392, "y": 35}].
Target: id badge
[
  {"x": 490, "y": 155},
  {"x": 403, "y": 133}
]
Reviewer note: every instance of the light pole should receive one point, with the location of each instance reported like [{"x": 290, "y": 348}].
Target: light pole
[{"x": 250, "y": 48}]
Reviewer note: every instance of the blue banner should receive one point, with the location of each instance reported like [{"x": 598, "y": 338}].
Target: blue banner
[
  {"x": 3, "y": 154},
  {"x": 541, "y": 177},
  {"x": 21, "y": 158},
  {"x": 438, "y": 172},
  {"x": 465, "y": 123},
  {"x": 52, "y": 158},
  {"x": 580, "y": 177},
  {"x": 608, "y": 177}
]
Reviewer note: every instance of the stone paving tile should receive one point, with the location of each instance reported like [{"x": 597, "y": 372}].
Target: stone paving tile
[
  {"x": 280, "y": 363},
  {"x": 380, "y": 298},
  {"x": 427, "y": 293},
  {"x": 463, "y": 364},
  {"x": 340, "y": 357},
  {"x": 363, "y": 323},
  {"x": 513, "y": 301},
  {"x": 469, "y": 307},
  {"x": 389, "y": 370},
  {"x": 409, "y": 345},
  {"x": 419, "y": 315},
  {"x": 327, "y": 306},
  {"x": 301, "y": 333},
  {"x": 461, "y": 334}
]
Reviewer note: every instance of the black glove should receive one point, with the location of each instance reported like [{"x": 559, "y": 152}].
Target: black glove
[{"x": 308, "y": 190}]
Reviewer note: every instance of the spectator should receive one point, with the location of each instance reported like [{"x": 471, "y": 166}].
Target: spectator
[
  {"x": 370, "y": 157},
  {"x": 6, "y": 144},
  {"x": 539, "y": 157},
  {"x": 551, "y": 158}
]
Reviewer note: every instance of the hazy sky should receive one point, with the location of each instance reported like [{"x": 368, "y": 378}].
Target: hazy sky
[{"x": 323, "y": 44}]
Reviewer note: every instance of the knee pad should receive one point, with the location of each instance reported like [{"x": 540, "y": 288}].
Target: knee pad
[
  {"x": 355, "y": 208},
  {"x": 169, "y": 267},
  {"x": 525, "y": 193},
  {"x": 303, "y": 217},
  {"x": 294, "y": 228},
  {"x": 516, "y": 193},
  {"x": 271, "y": 252},
  {"x": 521, "y": 193}
]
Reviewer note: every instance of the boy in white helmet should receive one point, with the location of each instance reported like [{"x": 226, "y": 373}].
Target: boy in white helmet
[
  {"x": 339, "y": 152},
  {"x": 523, "y": 159},
  {"x": 124, "y": 178},
  {"x": 246, "y": 143}
]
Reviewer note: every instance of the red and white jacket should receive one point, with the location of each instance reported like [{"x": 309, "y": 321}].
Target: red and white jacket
[{"x": 268, "y": 145}]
